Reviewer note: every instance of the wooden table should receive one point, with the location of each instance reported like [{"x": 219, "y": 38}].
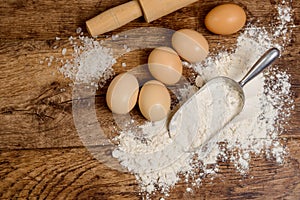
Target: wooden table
[{"x": 41, "y": 155}]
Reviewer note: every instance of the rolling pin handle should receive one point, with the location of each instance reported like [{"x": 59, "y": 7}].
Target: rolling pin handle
[{"x": 114, "y": 18}]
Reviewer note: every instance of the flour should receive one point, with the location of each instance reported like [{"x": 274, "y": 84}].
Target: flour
[
  {"x": 197, "y": 145},
  {"x": 158, "y": 165},
  {"x": 91, "y": 62},
  {"x": 216, "y": 104}
]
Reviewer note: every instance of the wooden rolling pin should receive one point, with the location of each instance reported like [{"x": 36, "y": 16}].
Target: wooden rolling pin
[{"x": 125, "y": 13}]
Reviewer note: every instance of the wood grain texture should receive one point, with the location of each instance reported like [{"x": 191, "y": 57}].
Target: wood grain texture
[{"x": 41, "y": 154}]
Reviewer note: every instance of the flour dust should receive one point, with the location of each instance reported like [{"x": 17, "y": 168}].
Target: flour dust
[{"x": 158, "y": 161}]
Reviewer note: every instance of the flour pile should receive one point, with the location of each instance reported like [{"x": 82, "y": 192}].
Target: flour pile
[
  {"x": 91, "y": 62},
  {"x": 158, "y": 166},
  {"x": 252, "y": 131}
]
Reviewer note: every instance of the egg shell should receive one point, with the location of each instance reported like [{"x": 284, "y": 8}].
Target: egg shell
[
  {"x": 190, "y": 45},
  {"x": 122, "y": 93},
  {"x": 154, "y": 101},
  {"x": 165, "y": 65},
  {"x": 225, "y": 19}
]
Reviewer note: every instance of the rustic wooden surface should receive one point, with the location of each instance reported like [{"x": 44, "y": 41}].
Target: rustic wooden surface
[{"x": 41, "y": 155}]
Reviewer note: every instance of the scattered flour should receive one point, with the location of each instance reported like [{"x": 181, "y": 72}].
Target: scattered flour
[
  {"x": 91, "y": 62},
  {"x": 64, "y": 51},
  {"x": 254, "y": 131},
  {"x": 157, "y": 161}
]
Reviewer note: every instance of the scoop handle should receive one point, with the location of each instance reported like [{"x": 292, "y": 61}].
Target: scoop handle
[{"x": 266, "y": 60}]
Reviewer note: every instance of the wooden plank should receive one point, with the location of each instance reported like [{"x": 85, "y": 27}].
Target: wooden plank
[
  {"x": 74, "y": 174},
  {"x": 47, "y": 19},
  {"x": 51, "y": 174}
]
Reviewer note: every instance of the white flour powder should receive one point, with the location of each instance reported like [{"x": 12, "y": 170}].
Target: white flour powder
[
  {"x": 157, "y": 160},
  {"x": 158, "y": 164},
  {"x": 91, "y": 62}
]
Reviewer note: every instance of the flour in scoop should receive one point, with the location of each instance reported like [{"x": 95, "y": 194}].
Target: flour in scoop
[{"x": 213, "y": 106}]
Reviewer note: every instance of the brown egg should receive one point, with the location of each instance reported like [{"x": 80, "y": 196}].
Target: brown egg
[
  {"x": 190, "y": 45},
  {"x": 122, "y": 93},
  {"x": 165, "y": 65},
  {"x": 154, "y": 101},
  {"x": 225, "y": 19}
]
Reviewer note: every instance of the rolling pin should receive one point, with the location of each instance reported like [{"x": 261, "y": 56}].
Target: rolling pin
[{"x": 125, "y": 13}]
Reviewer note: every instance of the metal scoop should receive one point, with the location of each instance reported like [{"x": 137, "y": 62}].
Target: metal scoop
[
  {"x": 215, "y": 105},
  {"x": 266, "y": 60}
]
